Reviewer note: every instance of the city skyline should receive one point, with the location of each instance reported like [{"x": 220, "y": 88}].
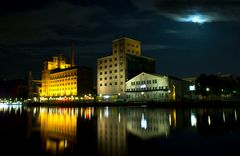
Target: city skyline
[{"x": 186, "y": 39}]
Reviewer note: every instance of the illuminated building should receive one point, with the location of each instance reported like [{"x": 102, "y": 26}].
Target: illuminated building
[
  {"x": 62, "y": 79},
  {"x": 125, "y": 62},
  {"x": 154, "y": 87}
]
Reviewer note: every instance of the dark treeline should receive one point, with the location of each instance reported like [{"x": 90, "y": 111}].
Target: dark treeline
[
  {"x": 13, "y": 88},
  {"x": 217, "y": 85}
]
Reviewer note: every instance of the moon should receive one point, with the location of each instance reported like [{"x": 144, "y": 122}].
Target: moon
[
  {"x": 195, "y": 18},
  {"x": 198, "y": 19}
]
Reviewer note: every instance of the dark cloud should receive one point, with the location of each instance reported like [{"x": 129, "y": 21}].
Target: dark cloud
[
  {"x": 215, "y": 10},
  {"x": 14, "y": 6},
  {"x": 40, "y": 29}
]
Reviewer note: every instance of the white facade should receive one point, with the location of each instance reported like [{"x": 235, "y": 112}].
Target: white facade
[{"x": 153, "y": 87}]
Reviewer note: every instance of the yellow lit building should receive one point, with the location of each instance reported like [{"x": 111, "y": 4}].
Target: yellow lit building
[
  {"x": 62, "y": 79},
  {"x": 125, "y": 62}
]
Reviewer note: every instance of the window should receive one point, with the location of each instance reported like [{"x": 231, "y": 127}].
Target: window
[
  {"x": 105, "y": 67},
  {"x": 121, "y": 70},
  {"x": 110, "y": 66},
  {"x": 100, "y": 62},
  {"x": 115, "y": 77},
  {"x": 105, "y": 78},
  {"x": 105, "y": 61},
  {"x": 100, "y": 73},
  {"x": 100, "y": 85},
  {"x": 110, "y": 71},
  {"x": 115, "y": 59},
  {"x": 121, "y": 76},
  {"x": 110, "y": 83},
  {"x": 110, "y": 60},
  {"x": 115, "y": 71},
  {"x": 105, "y": 84},
  {"x": 105, "y": 72},
  {"x": 110, "y": 77},
  {"x": 115, "y": 65},
  {"x": 115, "y": 83},
  {"x": 100, "y": 79}
]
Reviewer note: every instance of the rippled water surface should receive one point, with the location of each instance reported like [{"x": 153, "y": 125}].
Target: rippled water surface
[{"x": 119, "y": 131}]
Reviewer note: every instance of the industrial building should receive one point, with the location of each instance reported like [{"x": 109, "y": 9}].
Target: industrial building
[
  {"x": 125, "y": 62},
  {"x": 62, "y": 79},
  {"x": 155, "y": 87}
]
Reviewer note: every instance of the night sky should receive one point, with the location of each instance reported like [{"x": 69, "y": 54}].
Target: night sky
[{"x": 186, "y": 37}]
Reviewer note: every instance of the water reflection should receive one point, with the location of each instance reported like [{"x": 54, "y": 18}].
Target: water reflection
[
  {"x": 118, "y": 131},
  {"x": 111, "y": 131}
]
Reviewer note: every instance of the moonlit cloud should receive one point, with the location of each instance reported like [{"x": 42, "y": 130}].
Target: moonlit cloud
[{"x": 213, "y": 10}]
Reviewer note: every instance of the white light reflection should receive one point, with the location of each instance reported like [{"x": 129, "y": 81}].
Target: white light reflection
[
  {"x": 143, "y": 122},
  {"x": 119, "y": 117},
  {"x": 193, "y": 119},
  {"x": 235, "y": 113},
  {"x": 224, "y": 119},
  {"x": 106, "y": 112},
  {"x": 209, "y": 120}
]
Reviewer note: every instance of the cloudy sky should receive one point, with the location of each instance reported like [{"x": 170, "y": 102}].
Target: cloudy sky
[{"x": 186, "y": 37}]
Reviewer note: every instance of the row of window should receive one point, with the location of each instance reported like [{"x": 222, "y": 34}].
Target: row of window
[
  {"x": 143, "y": 82},
  {"x": 110, "y": 66},
  {"x": 137, "y": 52},
  {"x": 110, "y": 84},
  {"x": 115, "y": 71},
  {"x": 115, "y": 77},
  {"x": 128, "y": 44},
  {"x": 55, "y": 85},
  {"x": 149, "y": 88},
  {"x": 110, "y": 60},
  {"x": 63, "y": 75},
  {"x": 62, "y": 89},
  {"x": 64, "y": 79}
]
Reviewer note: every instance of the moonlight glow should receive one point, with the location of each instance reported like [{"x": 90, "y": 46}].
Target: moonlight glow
[{"x": 197, "y": 18}]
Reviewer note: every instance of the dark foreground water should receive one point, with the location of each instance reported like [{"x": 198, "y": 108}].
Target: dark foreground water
[{"x": 119, "y": 131}]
